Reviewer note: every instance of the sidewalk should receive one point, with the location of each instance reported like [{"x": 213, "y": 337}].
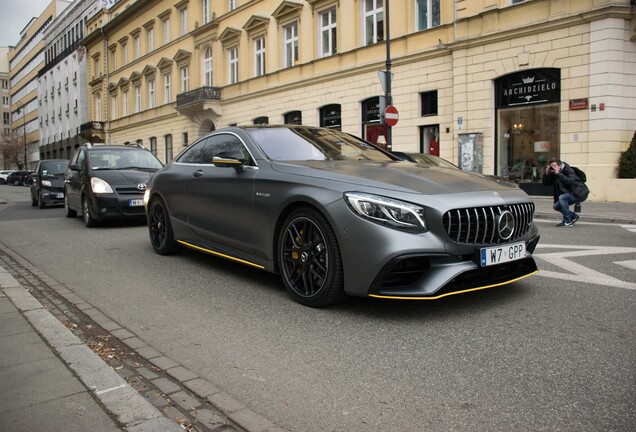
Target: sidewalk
[
  {"x": 591, "y": 211},
  {"x": 41, "y": 392}
]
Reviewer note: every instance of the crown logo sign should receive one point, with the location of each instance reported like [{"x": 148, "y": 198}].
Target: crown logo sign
[{"x": 528, "y": 80}]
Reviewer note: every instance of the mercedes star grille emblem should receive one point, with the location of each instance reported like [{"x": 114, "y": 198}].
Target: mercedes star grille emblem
[{"x": 506, "y": 225}]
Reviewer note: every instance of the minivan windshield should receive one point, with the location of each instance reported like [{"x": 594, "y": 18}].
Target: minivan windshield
[{"x": 116, "y": 159}]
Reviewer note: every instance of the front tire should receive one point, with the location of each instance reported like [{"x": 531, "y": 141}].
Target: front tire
[
  {"x": 89, "y": 220},
  {"x": 41, "y": 204},
  {"x": 309, "y": 259},
  {"x": 34, "y": 201},
  {"x": 160, "y": 229},
  {"x": 68, "y": 211}
]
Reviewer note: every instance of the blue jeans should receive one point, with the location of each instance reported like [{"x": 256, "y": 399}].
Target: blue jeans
[{"x": 563, "y": 205}]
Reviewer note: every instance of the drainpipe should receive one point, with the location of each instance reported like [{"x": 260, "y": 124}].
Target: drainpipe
[{"x": 106, "y": 92}]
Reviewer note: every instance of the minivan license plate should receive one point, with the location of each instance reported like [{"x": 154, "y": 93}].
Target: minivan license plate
[
  {"x": 135, "y": 202},
  {"x": 503, "y": 254}
]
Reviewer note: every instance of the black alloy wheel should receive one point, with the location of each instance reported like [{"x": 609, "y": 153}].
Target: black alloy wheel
[
  {"x": 160, "y": 229},
  {"x": 68, "y": 211},
  {"x": 89, "y": 220},
  {"x": 309, "y": 259}
]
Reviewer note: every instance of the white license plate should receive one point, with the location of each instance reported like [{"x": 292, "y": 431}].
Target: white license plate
[
  {"x": 135, "y": 203},
  {"x": 59, "y": 195},
  {"x": 502, "y": 254}
]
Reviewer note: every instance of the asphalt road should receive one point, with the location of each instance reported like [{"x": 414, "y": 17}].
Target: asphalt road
[{"x": 556, "y": 351}]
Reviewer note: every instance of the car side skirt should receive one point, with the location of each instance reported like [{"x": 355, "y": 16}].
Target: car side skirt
[
  {"x": 221, "y": 255},
  {"x": 437, "y": 297}
]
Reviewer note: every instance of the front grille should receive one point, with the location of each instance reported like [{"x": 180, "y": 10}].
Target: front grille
[
  {"x": 479, "y": 225},
  {"x": 129, "y": 190}
]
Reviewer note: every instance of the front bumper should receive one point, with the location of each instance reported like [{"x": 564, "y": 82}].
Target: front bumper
[
  {"x": 117, "y": 206},
  {"x": 52, "y": 195}
]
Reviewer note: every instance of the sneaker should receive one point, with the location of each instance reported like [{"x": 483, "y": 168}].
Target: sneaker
[
  {"x": 565, "y": 224},
  {"x": 575, "y": 218}
]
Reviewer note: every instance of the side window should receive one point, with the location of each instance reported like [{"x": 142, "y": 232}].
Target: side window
[
  {"x": 226, "y": 142},
  {"x": 195, "y": 154},
  {"x": 204, "y": 151}
]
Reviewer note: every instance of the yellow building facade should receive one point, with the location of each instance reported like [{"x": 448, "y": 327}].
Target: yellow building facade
[{"x": 495, "y": 86}]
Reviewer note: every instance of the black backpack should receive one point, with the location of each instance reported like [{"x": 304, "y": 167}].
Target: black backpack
[{"x": 580, "y": 174}]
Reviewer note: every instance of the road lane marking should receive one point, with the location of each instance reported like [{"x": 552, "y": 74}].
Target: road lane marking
[{"x": 580, "y": 273}]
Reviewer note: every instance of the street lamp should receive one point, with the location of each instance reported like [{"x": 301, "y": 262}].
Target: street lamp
[{"x": 20, "y": 105}]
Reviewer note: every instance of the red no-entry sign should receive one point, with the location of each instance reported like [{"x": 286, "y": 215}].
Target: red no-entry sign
[{"x": 391, "y": 115}]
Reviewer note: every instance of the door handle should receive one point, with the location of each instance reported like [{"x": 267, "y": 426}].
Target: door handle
[{"x": 197, "y": 173}]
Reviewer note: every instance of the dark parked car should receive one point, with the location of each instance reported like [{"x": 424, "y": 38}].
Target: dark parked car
[
  {"x": 337, "y": 216},
  {"x": 47, "y": 182},
  {"x": 107, "y": 182},
  {"x": 19, "y": 178}
]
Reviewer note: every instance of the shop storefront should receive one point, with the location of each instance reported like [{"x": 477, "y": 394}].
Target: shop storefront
[{"x": 528, "y": 126}]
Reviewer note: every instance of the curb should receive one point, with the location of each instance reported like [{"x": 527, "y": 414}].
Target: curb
[
  {"x": 555, "y": 216},
  {"x": 126, "y": 403}
]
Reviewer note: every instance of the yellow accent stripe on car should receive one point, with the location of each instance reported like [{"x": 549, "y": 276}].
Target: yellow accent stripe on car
[
  {"x": 211, "y": 252},
  {"x": 451, "y": 293}
]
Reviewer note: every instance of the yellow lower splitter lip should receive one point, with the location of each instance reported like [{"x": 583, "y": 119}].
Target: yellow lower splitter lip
[
  {"x": 219, "y": 254},
  {"x": 452, "y": 293}
]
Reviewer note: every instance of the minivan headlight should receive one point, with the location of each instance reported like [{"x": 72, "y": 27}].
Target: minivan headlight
[
  {"x": 99, "y": 186},
  {"x": 386, "y": 211}
]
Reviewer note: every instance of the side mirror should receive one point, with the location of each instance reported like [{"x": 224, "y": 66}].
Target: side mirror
[
  {"x": 229, "y": 158},
  {"x": 74, "y": 167}
]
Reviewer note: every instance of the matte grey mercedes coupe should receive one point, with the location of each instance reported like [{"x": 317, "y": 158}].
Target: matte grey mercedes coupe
[{"x": 337, "y": 216}]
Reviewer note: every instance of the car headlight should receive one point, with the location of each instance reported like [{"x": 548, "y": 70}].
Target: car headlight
[
  {"x": 146, "y": 196},
  {"x": 386, "y": 211},
  {"x": 99, "y": 186},
  {"x": 46, "y": 183}
]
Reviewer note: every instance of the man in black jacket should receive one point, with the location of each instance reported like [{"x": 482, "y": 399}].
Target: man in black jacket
[{"x": 568, "y": 189}]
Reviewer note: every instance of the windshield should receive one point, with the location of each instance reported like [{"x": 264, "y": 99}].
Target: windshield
[
  {"x": 426, "y": 159},
  {"x": 301, "y": 144},
  {"x": 53, "y": 168},
  {"x": 115, "y": 159}
]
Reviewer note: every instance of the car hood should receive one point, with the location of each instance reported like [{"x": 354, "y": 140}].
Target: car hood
[
  {"x": 394, "y": 175},
  {"x": 123, "y": 177}
]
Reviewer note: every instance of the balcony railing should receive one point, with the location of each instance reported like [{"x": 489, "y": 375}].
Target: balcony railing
[
  {"x": 92, "y": 126},
  {"x": 200, "y": 94}
]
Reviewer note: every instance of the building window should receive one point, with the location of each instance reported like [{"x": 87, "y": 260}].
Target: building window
[
  {"x": 294, "y": 118},
  {"x": 427, "y": 13},
  {"x": 328, "y": 37},
  {"x": 207, "y": 67},
  {"x": 115, "y": 107},
  {"x": 183, "y": 15},
  {"x": 98, "y": 107},
  {"x": 150, "y": 33},
  {"x": 259, "y": 56},
  {"x": 429, "y": 103},
  {"x": 231, "y": 5},
  {"x": 330, "y": 116},
  {"x": 290, "y": 44},
  {"x": 261, "y": 120},
  {"x": 166, "y": 31},
  {"x": 124, "y": 54},
  {"x": 373, "y": 21},
  {"x": 206, "y": 11},
  {"x": 137, "y": 47},
  {"x": 233, "y": 56},
  {"x": 125, "y": 103},
  {"x": 184, "y": 138},
  {"x": 113, "y": 59},
  {"x": 153, "y": 145},
  {"x": 167, "y": 97},
  {"x": 168, "y": 143},
  {"x": 137, "y": 98},
  {"x": 151, "y": 94},
  {"x": 185, "y": 79}
]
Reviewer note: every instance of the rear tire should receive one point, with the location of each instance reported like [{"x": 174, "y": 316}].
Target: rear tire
[
  {"x": 89, "y": 221},
  {"x": 68, "y": 211},
  {"x": 160, "y": 229},
  {"x": 309, "y": 259}
]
